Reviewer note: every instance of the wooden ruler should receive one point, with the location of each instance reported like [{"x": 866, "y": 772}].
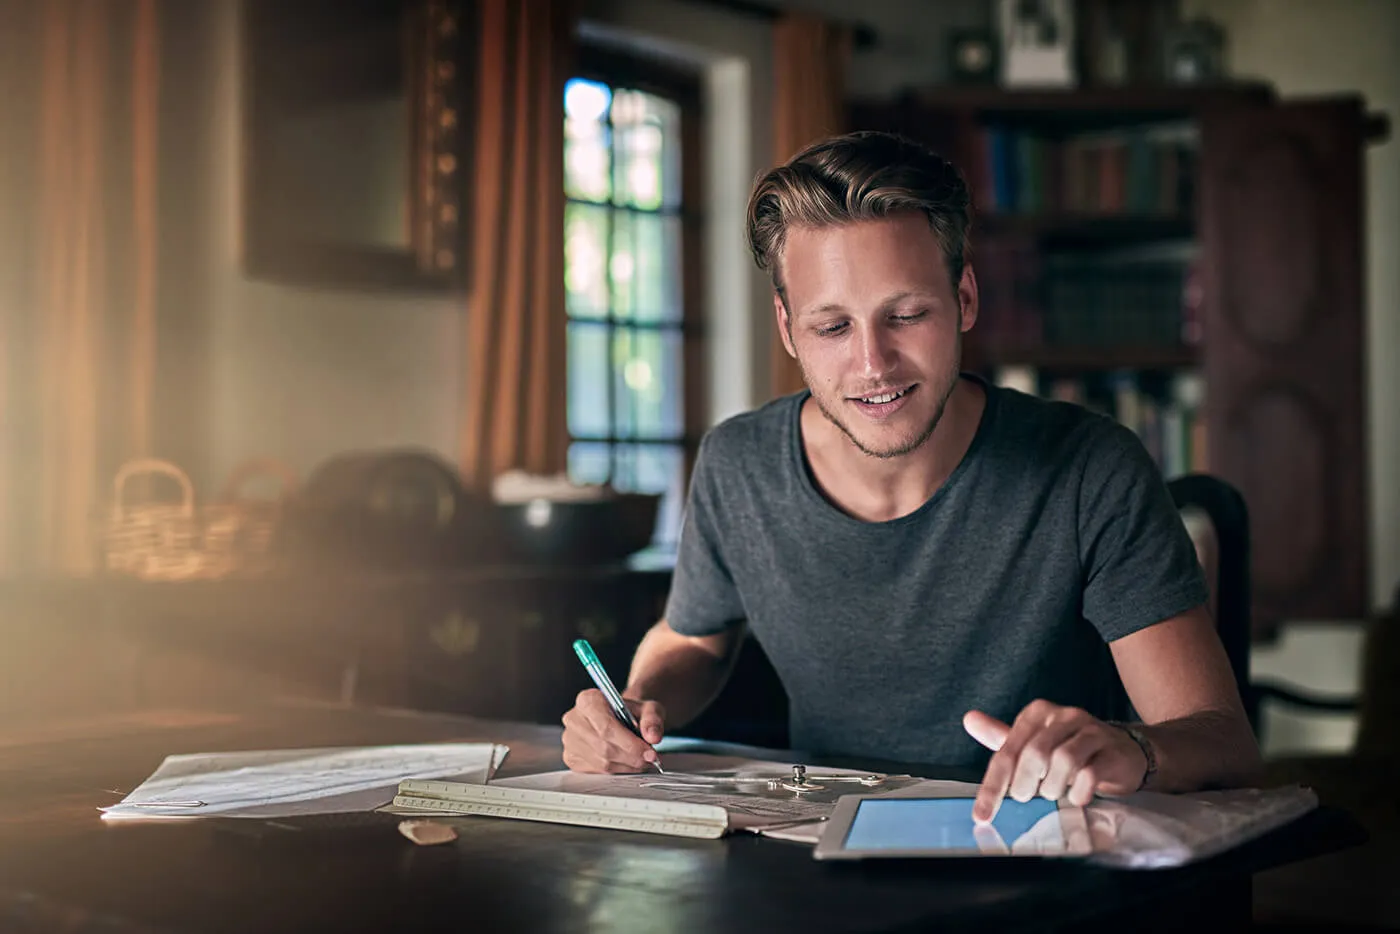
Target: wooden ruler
[{"x": 675, "y": 818}]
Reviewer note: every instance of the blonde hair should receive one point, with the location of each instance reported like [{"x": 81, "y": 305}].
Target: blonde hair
[{"x": 859, "y": 176}]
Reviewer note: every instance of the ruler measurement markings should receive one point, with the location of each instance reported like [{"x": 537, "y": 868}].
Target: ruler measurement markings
[{"x": 673, "y": 827}]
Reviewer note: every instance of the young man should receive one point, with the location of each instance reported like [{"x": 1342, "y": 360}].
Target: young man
[{"x": 940, "y": 570}]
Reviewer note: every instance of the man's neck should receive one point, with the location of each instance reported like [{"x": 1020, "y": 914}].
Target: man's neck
[{"x": 875, "y": 489}]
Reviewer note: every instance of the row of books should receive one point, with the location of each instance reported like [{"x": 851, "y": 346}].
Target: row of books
[
  {"x": 1148, "y": 171},
  {"x": 1086, "y": 305},
  {"x": 1084, "y": 300},
  {"x": 1164, "y": 410}
]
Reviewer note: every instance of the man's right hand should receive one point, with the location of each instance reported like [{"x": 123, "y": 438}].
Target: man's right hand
[{"x": 596, "y": 741}]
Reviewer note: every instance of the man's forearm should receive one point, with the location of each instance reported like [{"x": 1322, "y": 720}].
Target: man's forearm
[
  {"x": 683, "y": 673},
  {"x": 1205, "y": 750}
]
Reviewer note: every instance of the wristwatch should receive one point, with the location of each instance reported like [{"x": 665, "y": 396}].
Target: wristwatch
[{"x": 1135, "y": 732}]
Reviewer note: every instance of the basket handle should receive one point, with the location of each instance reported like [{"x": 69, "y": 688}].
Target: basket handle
[
  {"x": 151, "y": 465},
  {"x": 257, "y": 467}
]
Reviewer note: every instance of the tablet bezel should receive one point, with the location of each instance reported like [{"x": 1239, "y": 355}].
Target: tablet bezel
[{"x": 1074, "y": 828}]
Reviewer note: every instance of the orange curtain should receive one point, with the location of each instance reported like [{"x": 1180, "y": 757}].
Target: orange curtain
[
  {"x": 514, "y": 411},
  {"x": 77, "y": 230},
  {"x": 810, "y": 60}
]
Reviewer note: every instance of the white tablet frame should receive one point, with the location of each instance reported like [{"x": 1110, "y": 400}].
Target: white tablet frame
[{"x": 1074, "y": 830}]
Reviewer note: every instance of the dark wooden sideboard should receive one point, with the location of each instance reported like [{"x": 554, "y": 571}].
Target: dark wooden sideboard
[{"x": 489, "y": 642}]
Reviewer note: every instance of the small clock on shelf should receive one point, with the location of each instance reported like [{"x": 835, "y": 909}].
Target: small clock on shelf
[
  {"x": 1194, "y": 52},
  {"x": 972, "y": 56}
]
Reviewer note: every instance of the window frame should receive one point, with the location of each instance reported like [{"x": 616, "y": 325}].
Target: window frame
[{"x": 632, "y": 71}]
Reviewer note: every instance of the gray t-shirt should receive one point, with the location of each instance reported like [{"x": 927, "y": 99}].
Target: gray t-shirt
[{"x": 1054, "y": 536}]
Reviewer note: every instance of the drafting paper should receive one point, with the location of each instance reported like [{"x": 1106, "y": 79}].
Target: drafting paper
[
  {"x": 287, "y": 782},
  {"x": 740, "y": 786}
]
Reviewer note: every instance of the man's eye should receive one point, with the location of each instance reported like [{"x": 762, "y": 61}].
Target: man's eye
[
  {"x": 831, "y": 329},
  {"x": 914, "y": 316}
]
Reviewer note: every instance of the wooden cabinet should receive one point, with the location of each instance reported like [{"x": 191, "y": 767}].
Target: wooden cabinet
[
  {"x": 1285, "y": 364},
  {"x": 1259, "y": 201}
]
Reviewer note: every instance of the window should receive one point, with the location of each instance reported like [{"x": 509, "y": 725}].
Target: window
[{"x": 628, "y": 238}]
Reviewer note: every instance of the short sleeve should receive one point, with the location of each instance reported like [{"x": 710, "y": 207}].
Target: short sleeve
[
  {"x": 1138, "y": 562},
  {"x": 703, "y": 600}
]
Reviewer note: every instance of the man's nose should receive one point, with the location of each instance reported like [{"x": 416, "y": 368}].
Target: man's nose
[{"x": 877, "y": 351}]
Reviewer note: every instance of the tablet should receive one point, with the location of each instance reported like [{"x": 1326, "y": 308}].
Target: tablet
[{"x": 870, "y": 827}]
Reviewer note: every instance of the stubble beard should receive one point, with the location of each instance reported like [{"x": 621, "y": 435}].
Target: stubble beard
[{"x": 915, "y": 441}]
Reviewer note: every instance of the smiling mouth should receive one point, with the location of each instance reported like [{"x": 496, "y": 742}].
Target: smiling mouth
[{"x": 883, "y": 398}]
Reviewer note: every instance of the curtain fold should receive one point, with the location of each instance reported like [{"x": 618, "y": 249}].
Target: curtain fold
[
  {"x": 515, "y": 382},
  {"x": 810, "y": 60},
  {"x": 77, "y": 301}
]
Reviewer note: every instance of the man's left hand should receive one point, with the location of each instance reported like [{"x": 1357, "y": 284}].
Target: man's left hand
[{"x": 1055, "y": 752}]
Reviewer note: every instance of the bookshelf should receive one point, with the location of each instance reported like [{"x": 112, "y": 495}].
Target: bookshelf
[{"x": 1187, "y": 259}]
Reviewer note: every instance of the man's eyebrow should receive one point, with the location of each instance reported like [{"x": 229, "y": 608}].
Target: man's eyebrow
[{"x": 889, "y": 302}]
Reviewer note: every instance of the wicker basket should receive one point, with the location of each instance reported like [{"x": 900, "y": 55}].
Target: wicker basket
[
  {"x": 156, "y": 540},
  {"x": 240, "y": 533}
]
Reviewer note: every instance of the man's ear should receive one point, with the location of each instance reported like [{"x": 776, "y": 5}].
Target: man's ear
[
  {"x": 967, "y": 299},
  {"x": 780, "y": 315}
]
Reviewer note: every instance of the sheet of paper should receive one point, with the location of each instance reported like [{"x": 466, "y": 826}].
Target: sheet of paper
[
  {"x": 1149, "y": 830},
  {"x": 287, "y": 782},
  {"x": 752, "y": 791}
]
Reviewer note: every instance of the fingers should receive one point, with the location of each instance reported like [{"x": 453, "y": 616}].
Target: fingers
[
  {"x": 1001, "y": 769},
  {"x": 651, "y": 717},
  {"x": 1069, "y": 759},
  {"x": 596, "y": 741},
  {"x": 1033, "y": 763},
  {"x": 986, "y": 729},
  {"x": 1081, "y": 791},
  {"x": 1022, "y": 759}
]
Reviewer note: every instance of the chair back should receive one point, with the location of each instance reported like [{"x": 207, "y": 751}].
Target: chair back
[{"x": 1224, "y": 553}]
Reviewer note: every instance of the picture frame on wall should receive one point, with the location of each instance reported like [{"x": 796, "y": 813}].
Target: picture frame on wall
[
  {"x": 356, "y": 120},
  {"x": 1037, "y": 42}
]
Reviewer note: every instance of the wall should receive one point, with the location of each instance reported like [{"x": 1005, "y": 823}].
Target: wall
[
  {"x": 289, "y": 372},
  {"x": 913, "y": 38}
]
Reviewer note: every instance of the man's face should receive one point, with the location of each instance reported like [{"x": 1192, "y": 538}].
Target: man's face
[{"x": 875, "y": 324}]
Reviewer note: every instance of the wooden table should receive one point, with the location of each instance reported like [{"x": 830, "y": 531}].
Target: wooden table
[{"x": 62, "y": 868}]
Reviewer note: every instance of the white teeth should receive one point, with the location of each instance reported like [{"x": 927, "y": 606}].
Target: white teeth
[{"x": 881, "y": 399}]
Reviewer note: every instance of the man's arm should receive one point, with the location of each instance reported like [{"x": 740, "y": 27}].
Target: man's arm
[
  {"x": 1180, "y": 682},
  {"x": 682, "y": 673}
]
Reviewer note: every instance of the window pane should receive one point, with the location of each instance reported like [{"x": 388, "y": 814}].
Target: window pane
[
  {"x": 655, "y": 468},
  {"x": 589, "y": 462},
  {"x": 589, "y": 372},
  {"x": 585, "y": 259},
  {"x": 646, "y": 157},
  {"x": 657, "y": 251},
  {"x": 648, "y": 391},
  {"x": 622, "y": 266},
  {"x": 587, "y": 138},
  {"x": 645, "y": 269}
]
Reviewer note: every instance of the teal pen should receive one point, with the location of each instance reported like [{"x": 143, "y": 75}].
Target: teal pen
[{"x": 584, "y": 651}]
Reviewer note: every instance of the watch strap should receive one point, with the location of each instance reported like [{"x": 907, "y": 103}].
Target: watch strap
[{"x": 1136, "y": 734}]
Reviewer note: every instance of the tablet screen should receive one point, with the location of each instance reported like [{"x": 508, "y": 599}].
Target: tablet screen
[{"x": 945, "y": 824}]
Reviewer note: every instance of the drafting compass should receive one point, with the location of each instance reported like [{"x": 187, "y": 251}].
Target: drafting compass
[{"x": 800, "y": 783}]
